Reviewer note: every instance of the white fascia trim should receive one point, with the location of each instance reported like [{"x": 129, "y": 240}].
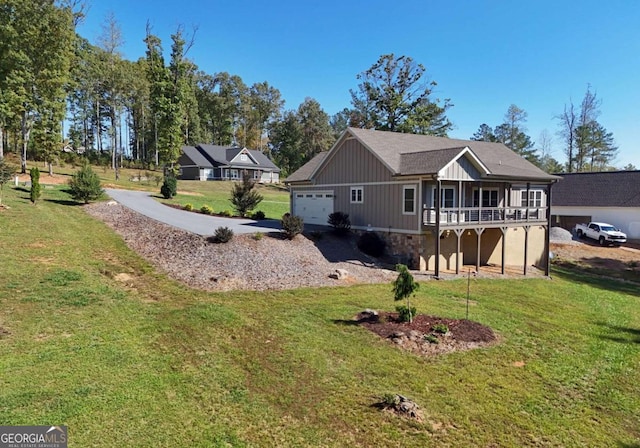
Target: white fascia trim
[
  {"x": 478, "y": 164},
  {"x": 388, "y": 230}
]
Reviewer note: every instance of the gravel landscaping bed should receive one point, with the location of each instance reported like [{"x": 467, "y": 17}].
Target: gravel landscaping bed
[{"x": 244, "y": 263}]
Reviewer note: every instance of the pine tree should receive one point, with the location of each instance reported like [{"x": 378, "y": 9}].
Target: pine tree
[
  {"x": 243, "y": 196},
  {"x": 35, "y": 192},
  {"x": 403, "y": 288},
  {"x": 85, "y": 185}
]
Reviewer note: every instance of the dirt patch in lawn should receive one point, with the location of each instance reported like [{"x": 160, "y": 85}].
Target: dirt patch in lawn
[
  {"x": 428, "y": 335},
  {"x": 615, "y": 262}
]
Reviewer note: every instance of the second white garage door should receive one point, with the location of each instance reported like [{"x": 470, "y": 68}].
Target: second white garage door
[{"x": 314, "y": 207}]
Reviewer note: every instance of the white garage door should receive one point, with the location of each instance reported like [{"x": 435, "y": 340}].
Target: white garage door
[{"x": 313, "y": 206}]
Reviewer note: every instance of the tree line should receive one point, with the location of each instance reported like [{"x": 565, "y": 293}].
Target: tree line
[{"x": 144, "y": 111}]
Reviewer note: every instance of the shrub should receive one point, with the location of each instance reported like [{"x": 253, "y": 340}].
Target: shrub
[
  {"x": 340, "y": 222},
  {"x": 440, "y": 328},
  {"x": 259, "y": 215},
  {"x": 188, "y": 207},
  {"x": 291, "y": 225},
  {"x": 85, "y": 185},
  {"x": 431, "y": 338},
  {"x": 35, "y": 192},
  {"x": 243, "y": 197},
  {"x": 169, "y": 187},
  {"x": 258, "y": 236},
  {"x": 390, "y": 400},
  {"x": 206, "y": 210},
  {"x": 371, "y": 244},
  {"x": 226, "y": 213},
  {"x": 405, "y": 314},
  {"x": 222, "y": 235}
]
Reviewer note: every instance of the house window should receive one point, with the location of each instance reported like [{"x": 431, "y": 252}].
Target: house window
[
  {"x": 447, "y": 197},
  {"x": 409, "y": 200},
  {"x": 243, "y": 157},
  {"x": 234, "y": 174},
  {"x": 534, "y": 199},
  {"x": 356, "y": 195},
  {"x": 256, "y": 174},
  {"x": 489, "y": 197}
]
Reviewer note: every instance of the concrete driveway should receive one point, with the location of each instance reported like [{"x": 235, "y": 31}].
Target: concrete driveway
[{"x": 143, "y": 203}]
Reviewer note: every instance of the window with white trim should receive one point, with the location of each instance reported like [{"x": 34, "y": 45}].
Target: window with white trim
[
  {"x": 447, "y": 197},
  {"x": 534, "y": 199},
  {"x": 409, "y": 200},
  {"x": 234, "y": 174},
  {"x": 357, "y": 196},
  {"x": 243, "y": 157},
  {"x": 489, "y": 197}
]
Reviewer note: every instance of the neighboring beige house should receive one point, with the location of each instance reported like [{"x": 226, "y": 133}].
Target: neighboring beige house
[
  {"x": 610, "y": 196},
  {"x": 441, "y": 203},
  {"x": 211, "y": 162}
]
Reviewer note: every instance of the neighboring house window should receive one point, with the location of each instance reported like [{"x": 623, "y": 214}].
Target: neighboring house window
[
  {"x": 243, "y": 157},
  {"x": 489, "y": 197},
  {"x": 234, "y": 174},
  {"x": 534, "y": 199},
  {"x": 356, "y": 195},
  {"x": 409, "y": 200},
  {"x": 256, "y": 174},
  {"x": 447, "y": 197}
]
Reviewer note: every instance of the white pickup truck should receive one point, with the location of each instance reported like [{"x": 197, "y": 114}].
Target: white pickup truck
[{"x": 602, "y": 232}]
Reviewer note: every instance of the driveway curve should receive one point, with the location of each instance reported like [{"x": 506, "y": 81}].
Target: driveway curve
[{"x": 143, "y": 203}]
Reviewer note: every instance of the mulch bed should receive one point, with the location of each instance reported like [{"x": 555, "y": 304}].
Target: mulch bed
[{"x": 462, "y": 335}]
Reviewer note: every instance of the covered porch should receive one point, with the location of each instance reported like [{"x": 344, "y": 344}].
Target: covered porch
[{"x": 484, "y": 223}]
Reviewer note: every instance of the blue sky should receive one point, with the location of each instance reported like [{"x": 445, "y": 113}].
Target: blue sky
[{"x": 484, "y": 55}]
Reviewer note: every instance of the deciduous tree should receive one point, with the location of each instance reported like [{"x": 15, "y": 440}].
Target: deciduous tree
[{"x": 394, "y": 96}]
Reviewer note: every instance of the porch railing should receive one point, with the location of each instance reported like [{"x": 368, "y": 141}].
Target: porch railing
[{"x": 475, "y": 215}]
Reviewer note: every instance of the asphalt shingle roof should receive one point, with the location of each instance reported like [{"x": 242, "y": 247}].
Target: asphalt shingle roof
[
  {"x": 602, "y": 189},
  {"x": 196, "y": 157},
  {"x": 499, "y": 160},
  {"x": 305, "y": 171},
  {"x": 213, "y": 155},
  {"x": 427, "y": 161}
]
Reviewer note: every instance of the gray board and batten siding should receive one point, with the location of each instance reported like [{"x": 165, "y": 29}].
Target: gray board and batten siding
[{"x": 353, "y": 165}]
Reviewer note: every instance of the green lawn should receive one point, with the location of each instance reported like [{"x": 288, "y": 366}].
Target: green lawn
[
  {"x": 148, "y": 362},
  {"x": 215, "y": 194}
]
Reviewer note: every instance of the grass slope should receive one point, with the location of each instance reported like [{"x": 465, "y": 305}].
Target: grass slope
[{"x": 148, "y": 362}]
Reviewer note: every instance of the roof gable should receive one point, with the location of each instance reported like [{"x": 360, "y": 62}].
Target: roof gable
[
  {"x": 499, "y": 160},
  {"x": 601, "y": 189},
  {"x": 226, "y": 156},
  {"x": 437, "y": 162}
]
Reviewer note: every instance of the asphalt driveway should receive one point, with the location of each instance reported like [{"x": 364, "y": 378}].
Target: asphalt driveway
[{"x": 143, "y": 203}]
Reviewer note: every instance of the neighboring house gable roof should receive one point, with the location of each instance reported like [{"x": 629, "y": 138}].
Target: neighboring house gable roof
[
  {"x": 196, "y": 157},
  {"x": 602, "y": 189},
  {"x": 214, "y": 155}
]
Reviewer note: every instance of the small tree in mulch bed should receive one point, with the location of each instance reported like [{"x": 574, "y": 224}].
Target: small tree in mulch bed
[{"x": 403, "y": 288}]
